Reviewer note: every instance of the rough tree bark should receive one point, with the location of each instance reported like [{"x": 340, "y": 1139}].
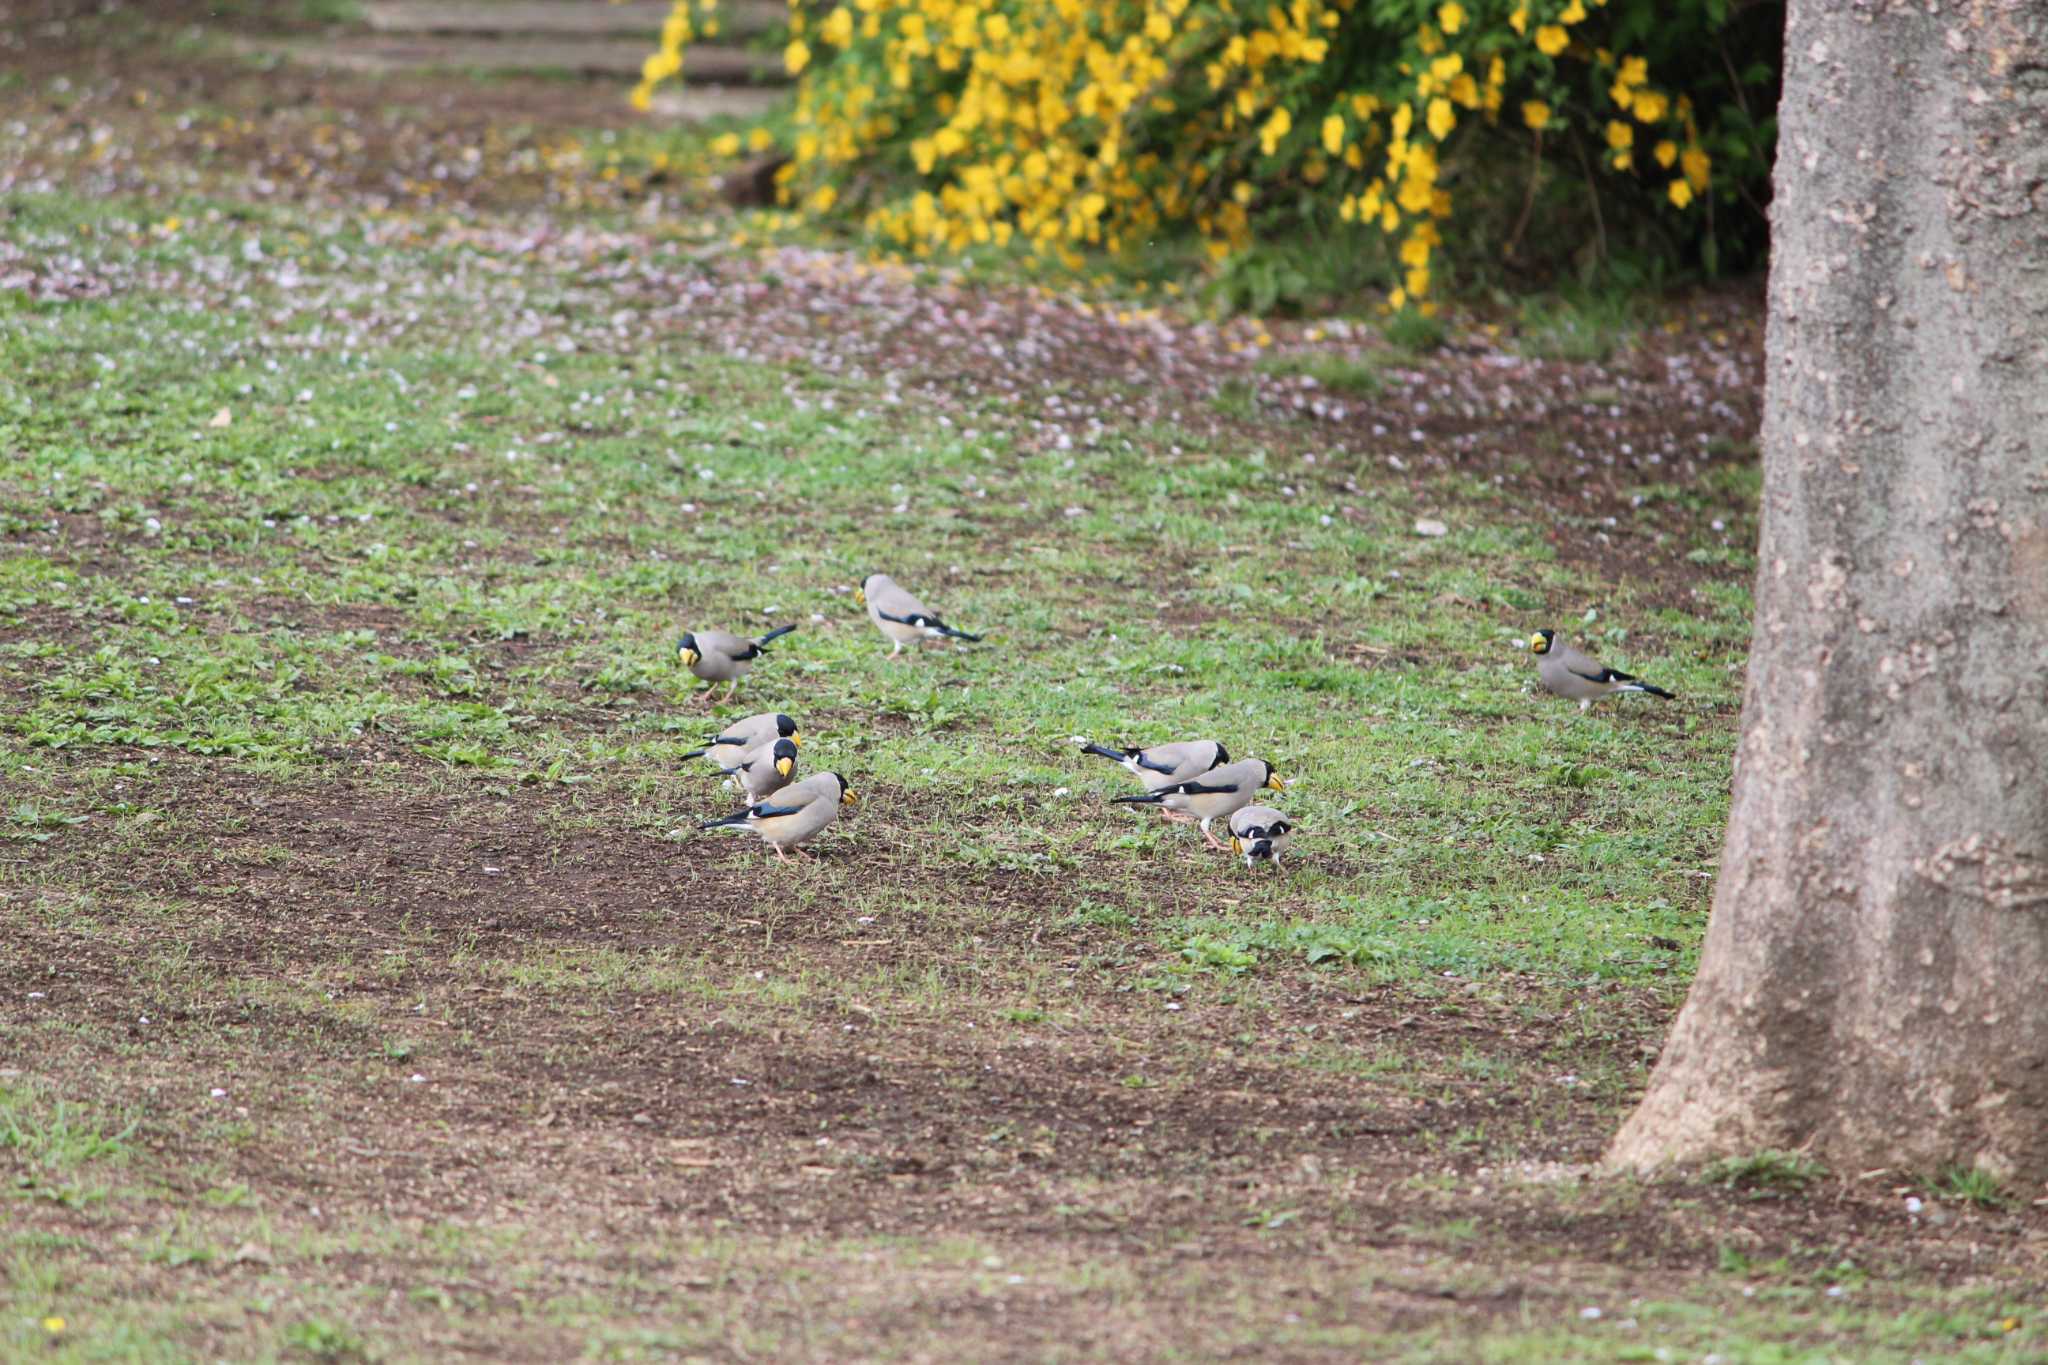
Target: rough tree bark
[{"x": 1874, "y": 985}]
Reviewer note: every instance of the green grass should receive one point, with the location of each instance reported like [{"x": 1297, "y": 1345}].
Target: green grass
[{"x": 1338, "y": 374}]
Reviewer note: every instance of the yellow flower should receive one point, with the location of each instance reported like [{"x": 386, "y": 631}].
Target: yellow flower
[
  {"x": 1242, "y": 191},
  {"x": 1417, "y": 281},
  {"x": 1619, "y": 135},
  {"x": 1158, "y": 27},
  {"x": 1415, "y": 251},
  {"x": 1441, "y": 119},
  {"x": 1451, "y": 17},
  {"x": 1574, "y": 13},
  {"x": 760, "y": 140},
  {"x": 1519, "y": 20},
  {"x": 1680, "y": 192},
  {"x": 796, "y": 56},
  {"x": 1696, "y": 165},
  {"x": 1551, "y": 40},
  {"x": 1404, "y": 119},
  {"x": 838, "y": 27},
  {"x": 1535, "y": 113},
  {"x": 1666, "y": 153},
  {"x": 823, "y": 198},
  {"x": 726, "y": 144},
  {"x": 53, "y": 1325},
  {"x": 1365, "y": 106},
  {"x": 1465, "y": 91},
  {"x": 1278, "y": 126},
  {"x": 1651, "y": 106},
  {"x": 1429, "y": 40},
  {"x": 1333, "y": 134}
]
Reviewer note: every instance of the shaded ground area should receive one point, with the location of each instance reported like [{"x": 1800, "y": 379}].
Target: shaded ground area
[{"x": 369, "y": 993}]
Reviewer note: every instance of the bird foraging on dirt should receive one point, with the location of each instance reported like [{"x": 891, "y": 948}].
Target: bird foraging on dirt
[
  {"x": 718, "y": 657},
  {"x": 1163, "y": 765},
  {"x": 797, "y": 813},
  {"x": 1580, "y": 677},
  {"x": 765, "y": 769},
  {"x": 1214, "y": 794},
  {"x": 900, "y": 616},
  {"x": 1260, "y": 834},
  {"x": 728, "y": 744}
]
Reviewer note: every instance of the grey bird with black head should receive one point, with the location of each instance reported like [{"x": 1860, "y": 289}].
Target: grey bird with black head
[
  {"x": 729, "y": 743},
  {"x": 900, "y": 616},
  {"x": 719, "y": 656},
  {"x": 1578, "y": 676},
  {"x": 795, "y": 815},
  {"x": 765, "y": 769},
  {"x": 1260, "y": 834}
]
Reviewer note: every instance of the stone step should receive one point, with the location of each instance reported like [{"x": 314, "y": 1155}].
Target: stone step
[
  {"x": 606, "y": 57},
  {"x": 570, "y": 18}
]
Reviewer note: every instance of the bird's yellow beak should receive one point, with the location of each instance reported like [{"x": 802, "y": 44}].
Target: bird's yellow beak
[
  {"x": 1236, "y": 845},
  {"x": 796, "y": 737},
  {"x": 785, "y": 766},
  {"x": 1537, "y": 644},
  {"x": 1275, "y": 783},
  {"x": 860, "y": 596},
  {"x": 688, "y": 656},
  {"x": 847, "y": 798}
]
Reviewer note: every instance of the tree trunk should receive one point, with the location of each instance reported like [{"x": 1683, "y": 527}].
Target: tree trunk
[{"x": 1874, "y": 985}]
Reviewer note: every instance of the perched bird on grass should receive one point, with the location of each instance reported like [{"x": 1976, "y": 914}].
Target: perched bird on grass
[
  {"x": 900, "y": 616},
  {"x": 1162, "y": 765},
  {"x": 1580, "y": 677},
  {"x": 1214, "y": 794},
  {"x": 765, "y": 769},
  {"x": 1260, "y": 834},
  {"x": 797, "y": 813},
  {"x": 728, "y": 744},
  {"x": 718, "y": 657}
]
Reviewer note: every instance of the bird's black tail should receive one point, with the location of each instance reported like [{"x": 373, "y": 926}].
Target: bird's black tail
[
  {"x": 775, "y": 634},
  {"x": 1150, "y": 799},
  {"x": 696, "y": 753},
  {"x": 953, "y": 634},
  {"x": 1642, "y": 686},
  {"x": 737, "y": 819},
  {"x": 1111, "y": 754}
]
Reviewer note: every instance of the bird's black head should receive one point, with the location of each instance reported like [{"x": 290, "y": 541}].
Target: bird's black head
[
  {"x": 1539, "y": 643},
  {"x": 846, "y": 793},
  {"x": 784, "y": 754},
  {"x": 786, "y": 728},
  {"x": 1272, "y": 778},
  {"x": 1222, "y": 757},
  {"x": 687, "y": 651}
]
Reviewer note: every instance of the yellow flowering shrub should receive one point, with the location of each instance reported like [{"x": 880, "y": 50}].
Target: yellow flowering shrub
[{"x": 1069, "y": 127}]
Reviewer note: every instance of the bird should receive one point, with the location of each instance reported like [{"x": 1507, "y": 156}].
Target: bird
[
  {"x": 1162, "y": 765},
  {"x": 765, "y": 769},
  {"x": 735, "y": 739},
  {"x": 900, "y": 616},
  {"x": 1260, "y": 833},
  {"x": 797, "y": 813},
  {"x": 718, "y": 657},
  {"x": 1214, "y": 794},
  {"x": 1580, "y": 677}
]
